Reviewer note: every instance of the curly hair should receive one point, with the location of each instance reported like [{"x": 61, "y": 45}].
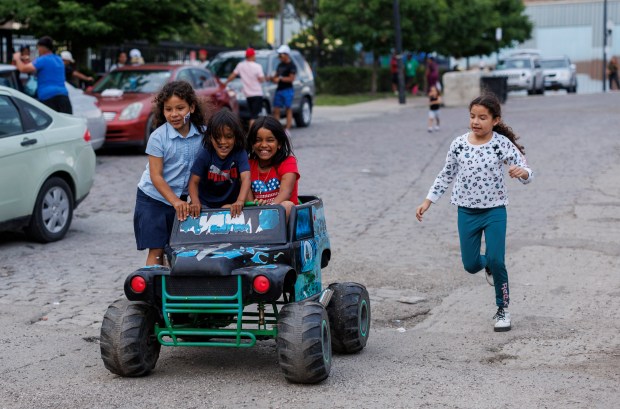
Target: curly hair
[
  {"x": 276, "y": 128},
  {"x": 490, "y": 102},
  {"x": 184, "y": 91}
]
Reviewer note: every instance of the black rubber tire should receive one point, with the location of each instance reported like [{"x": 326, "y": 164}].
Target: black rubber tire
[
  {"x": 53, "y": 212},
  {"x": 304, "y": 342},
  {"x": 304, "y": 116},
  {"x": 129, "y": 346},
  {"x": 349, "y": 317}
]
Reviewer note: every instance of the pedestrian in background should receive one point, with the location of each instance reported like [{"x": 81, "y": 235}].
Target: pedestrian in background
[
  {"x": 284, "y": 77},
  {"x": 432, "y": 74},
  {"x": 70, "y": 72},
  {"x": 252, "y": 77},
  {"x": 411, "y": 69},
  {"x": 434, "y": 104},
  {"x": 476, "y": 162},
  {"x": 121, "y": 61},
  {"x": 171, "y": 149},
  {"x": 612, "y": 73},
  {"x": 135, "y": 57},
  {"x": 394, "y": 72},
  {"x": 50, "y": 71}
]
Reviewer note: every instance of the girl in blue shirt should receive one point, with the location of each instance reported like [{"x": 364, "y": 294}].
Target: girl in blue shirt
[
  {"x": 171, "y": 150},
  {"x": 221, "y": 172}
]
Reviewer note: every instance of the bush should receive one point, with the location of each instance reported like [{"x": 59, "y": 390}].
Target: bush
[{"x": 351, "y": 80}]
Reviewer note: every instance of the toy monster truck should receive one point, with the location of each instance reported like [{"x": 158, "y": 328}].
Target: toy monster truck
[{"x": 234, "y": 281}]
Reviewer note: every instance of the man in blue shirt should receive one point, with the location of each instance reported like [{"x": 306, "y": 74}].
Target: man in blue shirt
[{"x": 50, "y": 71}]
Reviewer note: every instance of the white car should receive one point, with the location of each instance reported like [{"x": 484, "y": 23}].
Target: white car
[
  {"x": 47, "y": 166},
  {"x": 84, "y": 106},
  {"x": 523, "y": 72},
  {"x": 559, "y": 73}
]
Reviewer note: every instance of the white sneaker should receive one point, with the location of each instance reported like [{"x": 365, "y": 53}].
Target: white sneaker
[
  {"x": 436, "y": 127},
  {"x": 502, "y": 320},
  {"x": 430, "y": 129}
]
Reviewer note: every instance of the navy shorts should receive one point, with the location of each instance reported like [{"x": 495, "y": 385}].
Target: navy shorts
[
  {"x": 255, "y": 104},
  {"x": 152, "y": 222},
  {"x": 284, "y": 98}
]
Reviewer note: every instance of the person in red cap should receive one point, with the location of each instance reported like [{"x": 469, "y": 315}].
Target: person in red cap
[{"x": 252, "y": 76}]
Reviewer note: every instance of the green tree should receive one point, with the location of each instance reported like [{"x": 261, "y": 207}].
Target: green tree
[
  {"x": 97, "y": 22},
  {"x": 370, "y": 23},
  {"x": 469, "y": 29}
]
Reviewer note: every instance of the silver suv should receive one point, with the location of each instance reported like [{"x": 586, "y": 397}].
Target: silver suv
[
  {"x": 559, "y": 73},
  {"x": 524, "y": 72},
  {"x": 224, "y": 63}
]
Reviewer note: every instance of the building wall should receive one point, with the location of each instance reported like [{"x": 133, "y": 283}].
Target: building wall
[{"x": 575, "y": 28}]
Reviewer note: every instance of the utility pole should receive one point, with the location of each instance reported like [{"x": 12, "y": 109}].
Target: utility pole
[
  {"x": 399, "y": 53},
  {"x": 281, "y": 22},
  {"x": 604, "y": 45}
]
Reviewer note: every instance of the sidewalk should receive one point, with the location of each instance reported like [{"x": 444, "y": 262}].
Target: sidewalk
[{"x": 372, "y": 108}]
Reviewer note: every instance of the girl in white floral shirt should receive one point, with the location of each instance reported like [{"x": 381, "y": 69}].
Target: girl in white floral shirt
[{"x": 475, "y": 162}]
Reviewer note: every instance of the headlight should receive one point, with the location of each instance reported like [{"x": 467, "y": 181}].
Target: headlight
[{"x": 131, "y": 112}]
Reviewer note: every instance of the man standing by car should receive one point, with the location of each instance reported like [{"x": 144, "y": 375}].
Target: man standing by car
[
  {"x": 284, "y": 77},
  {"x": 252, "y": 76},
  {"x": 50, "y": 71}
]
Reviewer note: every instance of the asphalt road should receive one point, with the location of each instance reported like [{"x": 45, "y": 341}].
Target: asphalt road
[{"x": 432, "y": 342}]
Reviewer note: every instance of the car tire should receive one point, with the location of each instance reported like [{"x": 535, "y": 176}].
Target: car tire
[
  {"x": 304, "y": 342},
  {"x": 349, "y": 317},
  {"x": 304, "y": 116},
  {"x": 148, "y": 130},
  {"x": 129, "y": 346},
  {"x": 53, "y": 212}
]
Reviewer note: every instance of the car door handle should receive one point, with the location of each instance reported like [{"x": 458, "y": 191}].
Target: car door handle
[{"x": 28, "y": 141}]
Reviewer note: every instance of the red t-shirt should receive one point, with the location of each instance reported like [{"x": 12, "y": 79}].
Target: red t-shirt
[{"x": 266, "y": 185}]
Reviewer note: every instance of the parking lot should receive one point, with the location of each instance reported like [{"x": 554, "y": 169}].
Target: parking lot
[{"x": 432, "y": 343}]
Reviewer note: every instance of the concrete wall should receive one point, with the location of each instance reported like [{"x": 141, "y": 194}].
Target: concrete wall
[{"x": 460, "y": 87}]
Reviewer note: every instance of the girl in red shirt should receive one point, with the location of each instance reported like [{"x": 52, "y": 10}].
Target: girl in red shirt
[{"x": 273, "y": 167}]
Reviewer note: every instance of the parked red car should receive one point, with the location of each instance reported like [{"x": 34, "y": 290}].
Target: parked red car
[{"x": 126, "y": 97}]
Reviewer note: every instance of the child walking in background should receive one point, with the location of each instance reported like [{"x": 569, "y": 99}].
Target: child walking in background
[
  {"x": 434, "y": 103},
  {"x": 221, "y": 172},
  {"x": 171, "y": 149},
  {"x": 476, "y": 162},
  {"x": 273, "y": 168}
]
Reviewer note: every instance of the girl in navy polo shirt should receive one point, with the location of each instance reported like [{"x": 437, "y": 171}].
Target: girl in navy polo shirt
[
  {"x": 171, "y": 149},
  {"x": 221, "y": 172}
]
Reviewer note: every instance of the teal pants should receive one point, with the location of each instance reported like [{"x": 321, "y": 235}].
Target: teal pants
[{"x": 492, "y": 222}]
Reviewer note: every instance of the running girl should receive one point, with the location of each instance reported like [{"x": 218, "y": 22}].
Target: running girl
[{"x": 476, "y": 162}]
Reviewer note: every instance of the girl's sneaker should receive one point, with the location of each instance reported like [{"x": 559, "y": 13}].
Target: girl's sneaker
[
  {"x": 502, "y": 320},
  {"x": 430, "y": 129}
]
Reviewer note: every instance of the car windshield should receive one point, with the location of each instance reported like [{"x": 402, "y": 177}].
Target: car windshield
[
  {"x": 147, "y": 81},
  {"x": 549, "y": 64},
  {"x": 514, "y": 63},
  {"x": 254, "y": 225},
  {"x": 223, "y": 66}
]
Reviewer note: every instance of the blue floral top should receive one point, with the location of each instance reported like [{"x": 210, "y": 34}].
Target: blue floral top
[{"x": 478, "y": 171}]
